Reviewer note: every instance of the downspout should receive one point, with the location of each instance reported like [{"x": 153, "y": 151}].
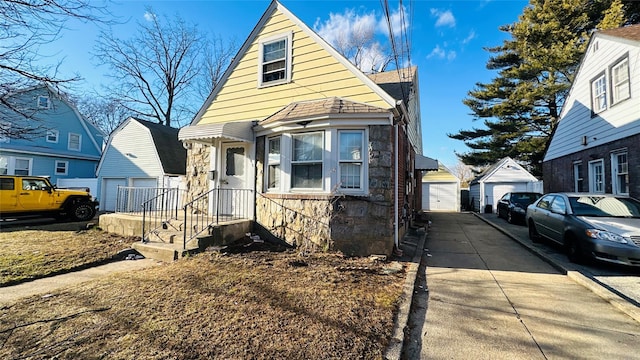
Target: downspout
[{"x": 397, "y": 190}]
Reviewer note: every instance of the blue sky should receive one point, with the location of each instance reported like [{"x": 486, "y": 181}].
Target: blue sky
[{"x": 448, "y": 39}]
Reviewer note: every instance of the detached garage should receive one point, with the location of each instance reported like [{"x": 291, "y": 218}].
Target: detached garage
[
  {"x": 504, "y": 176},
  {"x": 140, "y": 154},
  {"x": 440, "y": 190}
]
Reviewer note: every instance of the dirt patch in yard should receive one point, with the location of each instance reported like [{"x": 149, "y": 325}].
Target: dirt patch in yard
[{"x": 216, "y": 305}]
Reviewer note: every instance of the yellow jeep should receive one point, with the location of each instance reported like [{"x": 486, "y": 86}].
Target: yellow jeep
[{"x": 34, "y": 195}]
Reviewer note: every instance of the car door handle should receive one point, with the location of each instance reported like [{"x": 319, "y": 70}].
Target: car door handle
[{"x": 24, "y": 193}]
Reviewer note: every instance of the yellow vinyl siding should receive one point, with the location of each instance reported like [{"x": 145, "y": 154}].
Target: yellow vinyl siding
[
  {"x": 316, "y": 74},
  {"x": 439, "y": 176}
]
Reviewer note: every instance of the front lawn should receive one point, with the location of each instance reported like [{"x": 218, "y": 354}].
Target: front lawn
[
  {"x": 32, "y": 252},
  {"x": 255, "y": 305}
]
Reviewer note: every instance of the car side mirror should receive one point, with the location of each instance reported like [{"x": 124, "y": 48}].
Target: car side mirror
[{"x": 47, "y": 189}]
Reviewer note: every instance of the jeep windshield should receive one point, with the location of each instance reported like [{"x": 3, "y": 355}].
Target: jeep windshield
[{"x": 605, "y": 206}]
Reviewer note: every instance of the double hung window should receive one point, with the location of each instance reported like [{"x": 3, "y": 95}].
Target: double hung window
[
  {"x": 351, "y": 146},
  {"x": 74, "y": 142},
  {"x": 306, "y": 162},
  {"x": 620, "y": 167},
  {"x": 599, "y": 94},
  {"x": 596, "y": 176},
  {"x": 620, "y": 81},
  {"x": 62, "y": 167},
  {"x": 578, "y": 177},
  {"x": 273, "y": 163},
  {"x": 275, "y": 60}
]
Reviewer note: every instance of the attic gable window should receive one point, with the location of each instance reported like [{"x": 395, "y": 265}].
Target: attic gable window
[
  {"x": 275, "y": 60},
  {"x": 43, "y": 102},
  {"x": 620, "y": 80}
]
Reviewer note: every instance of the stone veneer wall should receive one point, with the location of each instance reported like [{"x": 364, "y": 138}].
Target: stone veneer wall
[
  {"x": 197, "y": 169},
  {"x": 356, "y": 226}
]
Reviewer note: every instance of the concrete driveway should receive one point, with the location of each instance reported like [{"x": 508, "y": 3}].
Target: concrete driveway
[{"x": 487, "y": 297}]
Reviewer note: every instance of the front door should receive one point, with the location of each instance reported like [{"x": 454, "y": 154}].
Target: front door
[{"x": 234, "y": 189}]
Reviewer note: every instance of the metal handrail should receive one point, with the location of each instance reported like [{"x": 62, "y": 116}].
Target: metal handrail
[
  {"x": 203, "y": 211},
  {"x": 164, "y": 207}
]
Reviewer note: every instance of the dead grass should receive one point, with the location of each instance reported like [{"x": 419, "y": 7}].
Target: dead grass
[
  {"x": 31, "y": 252},
  {"x": 258, "y": 305}
]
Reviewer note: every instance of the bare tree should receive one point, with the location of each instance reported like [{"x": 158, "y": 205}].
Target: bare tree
[
  {"x": 157, "y": 72},
  {"x": 464, "y": 173},
  {"x": 106, "y": 114},
  {"x": 217, "y": 56},
  {"x": 24, "y": 27}
]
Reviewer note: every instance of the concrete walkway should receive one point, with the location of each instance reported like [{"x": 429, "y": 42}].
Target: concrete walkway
[
  {"x": 44, "y": 286},
  {"x": 489, "y": 298}
]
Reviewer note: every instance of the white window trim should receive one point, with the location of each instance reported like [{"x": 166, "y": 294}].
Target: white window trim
[
  {"x": 614, "y": 172},
  {"x": 622, "y": 62},
  {"x": 288, "y": 60},
  {"x": 11, "y": 165},
  {"x": 330, "y": 164},
  {"x": 595, "y": 104},
  {"x": 66, "y": 167},
  {"x": 361, "y": 162},
  {"x": 269, "y": 163},
  {"x": 52, "y": 132},
  {"x": 41, "y": 99},
  {"x": 323, "y": 161},
  {"x": 79, "y": 142},
  {"x": 592, "y": 183}
]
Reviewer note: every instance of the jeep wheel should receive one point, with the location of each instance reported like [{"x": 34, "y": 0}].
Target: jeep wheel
[{"x": 82, "y": 212}]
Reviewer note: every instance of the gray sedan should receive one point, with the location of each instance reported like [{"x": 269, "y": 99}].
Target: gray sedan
[{"x": 604, "y": 227}]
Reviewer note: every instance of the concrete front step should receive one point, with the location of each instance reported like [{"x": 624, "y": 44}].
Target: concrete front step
[{"x": 162, "y": 251}]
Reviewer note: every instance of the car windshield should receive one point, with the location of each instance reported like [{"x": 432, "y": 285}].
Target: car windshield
[
  {"x": 524, "y": 199},
  {"x": 605, "y": 206}
]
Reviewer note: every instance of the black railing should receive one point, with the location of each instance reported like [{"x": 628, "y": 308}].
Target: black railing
[
  {"x": 159, "y": 210},
  {"x": 213, "y": 207}
]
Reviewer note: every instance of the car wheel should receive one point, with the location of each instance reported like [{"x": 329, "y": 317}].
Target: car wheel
[
  {"x": 533, "y": 232},
  {"x": 82, "y": 212},
  {"x": 574, "y": 252}
]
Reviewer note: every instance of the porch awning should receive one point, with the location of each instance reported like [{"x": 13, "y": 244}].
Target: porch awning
[
  {"x": 236, "y": 130},
  {"x": 425, "y": 163}
]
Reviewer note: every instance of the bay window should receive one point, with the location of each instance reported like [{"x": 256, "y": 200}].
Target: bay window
[
  {"x": 306, "y": 162},
  {"x": 351, "y": 145}
]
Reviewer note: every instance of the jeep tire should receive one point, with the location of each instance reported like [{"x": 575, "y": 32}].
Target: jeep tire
[{"x": 82, "y": 211}]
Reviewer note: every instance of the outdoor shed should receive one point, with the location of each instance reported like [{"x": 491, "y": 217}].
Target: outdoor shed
[
  {"x": 502, "y": 177},
  {"x": 440, "y": 190},
  {"x": 140, "y": 154}
]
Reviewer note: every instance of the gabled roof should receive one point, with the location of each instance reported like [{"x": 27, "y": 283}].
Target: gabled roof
[
  {"x": 277, "y": 6},
  {"x": 396, "y": 83},
  {"x": 504, "y": 162},
  {"x": 172, "y": 154},
  {"x": 631, "y": 32}
]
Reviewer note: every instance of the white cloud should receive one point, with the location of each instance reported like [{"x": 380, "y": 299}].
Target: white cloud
[
  {"x": 441, "y": 53},
  {"x": 471, "y": 36},
  {"x": 343, "y": 26},
  {"x": 444, "y": 18},
  {"x": 399, "y": 22},
  {"x": 149, "y": 16}
]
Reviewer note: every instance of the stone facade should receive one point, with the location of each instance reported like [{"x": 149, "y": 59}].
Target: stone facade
[
  {"x": 558, "y": 173},
  {"x": 354, "y": 225},
  {"x": 197, "y": 169}
]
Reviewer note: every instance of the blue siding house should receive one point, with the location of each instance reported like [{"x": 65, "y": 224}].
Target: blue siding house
[{"x": 61, "y": 145}]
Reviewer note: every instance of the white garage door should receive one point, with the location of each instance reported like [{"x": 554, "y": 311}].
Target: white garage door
[
  {"x": 110, "y": 192},
  {"x": 440, "y": 197},
  {"x": 493, "y": 192}
]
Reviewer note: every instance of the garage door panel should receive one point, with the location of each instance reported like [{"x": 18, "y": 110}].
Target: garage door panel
[{"x": 440, "y": 197}]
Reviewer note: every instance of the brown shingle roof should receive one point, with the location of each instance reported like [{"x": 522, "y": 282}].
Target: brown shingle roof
[
  {"x": 631, "y": 32},
  {"x": 328, "y": 106}
]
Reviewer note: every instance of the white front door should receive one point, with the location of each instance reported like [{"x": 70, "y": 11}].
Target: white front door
[{"x": 234, "y": 185}]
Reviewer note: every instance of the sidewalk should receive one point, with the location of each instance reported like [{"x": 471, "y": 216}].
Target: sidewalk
[
  {"x": 46, "y": 285},
  {"x": 490, "y": 298}
]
